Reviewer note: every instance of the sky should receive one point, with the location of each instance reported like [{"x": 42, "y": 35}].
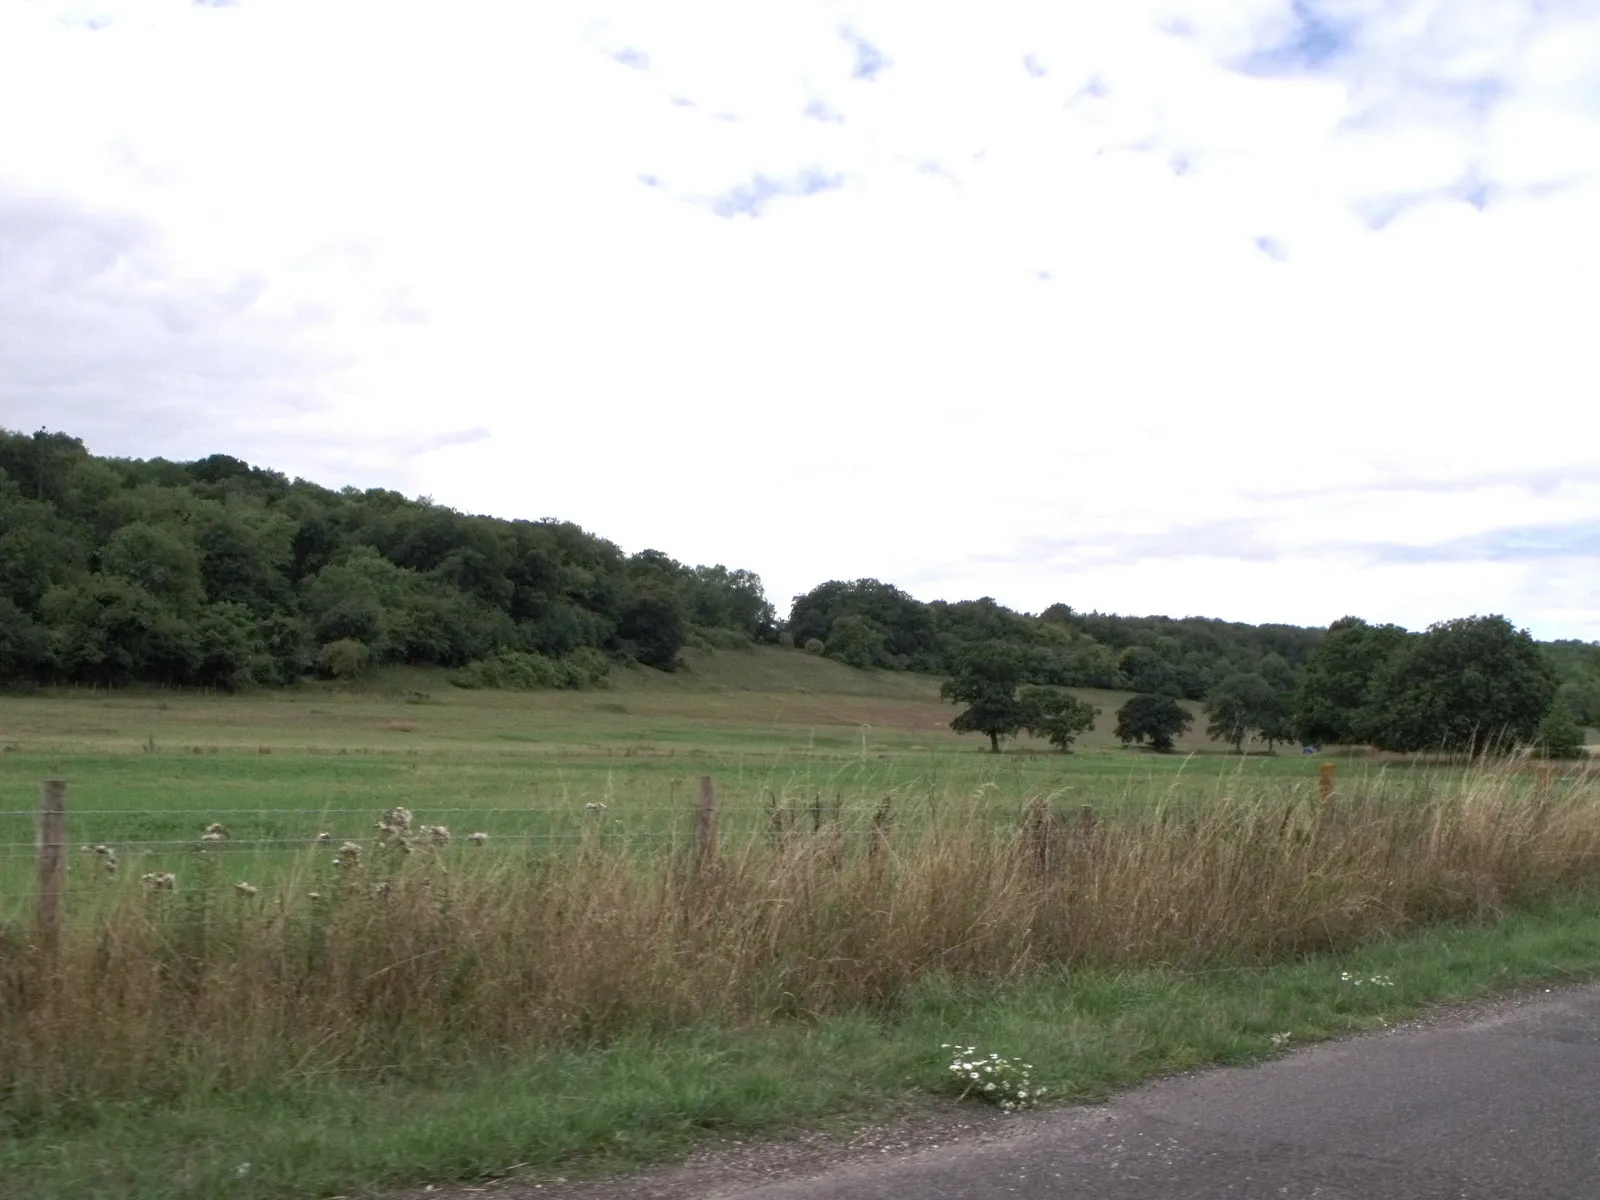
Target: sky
[{"x": 1253, "y": 309}]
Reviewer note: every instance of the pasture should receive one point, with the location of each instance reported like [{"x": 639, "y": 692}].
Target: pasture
[
  {"x": 880, "y": 886},
  {"x": 149, "y": 771}
]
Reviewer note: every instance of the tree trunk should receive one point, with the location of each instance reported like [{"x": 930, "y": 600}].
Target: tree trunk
[{"x": 994, "y": 743}]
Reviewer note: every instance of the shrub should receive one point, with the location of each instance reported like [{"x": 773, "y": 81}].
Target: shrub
[
  {"x": 525, "y": 671},
  {"x": 345, "y": 658}
]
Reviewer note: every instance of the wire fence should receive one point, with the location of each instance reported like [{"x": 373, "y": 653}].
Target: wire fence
[{"x": 284, "y": 846}]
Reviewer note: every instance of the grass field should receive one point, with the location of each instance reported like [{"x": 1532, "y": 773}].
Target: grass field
[
  {"x": 577, "y": 993},
  {"x": 149, "y": 771}
]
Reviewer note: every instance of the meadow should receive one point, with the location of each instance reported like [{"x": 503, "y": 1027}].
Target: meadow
[
  {"x": 351, "y": 1020},
  {"x": 149, "y": 771}
]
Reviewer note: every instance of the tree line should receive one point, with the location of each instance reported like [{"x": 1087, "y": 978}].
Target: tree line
[
  {"x": 217, "y": 573},
  {"x": 1472, "y": 685}
]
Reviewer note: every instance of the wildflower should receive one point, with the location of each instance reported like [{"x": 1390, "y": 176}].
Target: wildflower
[
  {"x": 324, "y": 836},
  {"x": 349, "y": 855},
  {"x": 1280, "y": 1039},
  {"x": 478, "y": 837},
  {"x": 159, "y": 881},
  {"x": 245, "y": 889},
  {"x": 1005, "y": 1082},
  {"x": 439, "y": 835},
  {"x": 395, "y": 822},
  {"x": 595, "y": 806},
  {"x": 314, "y": 895},
  {"x": 1369, "y": 981},
  {"x": 209, "y": 836},
  {"x": 215, "y": 831}
]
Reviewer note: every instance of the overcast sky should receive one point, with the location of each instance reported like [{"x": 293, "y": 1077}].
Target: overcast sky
[{"x": 1241, "y": 308}]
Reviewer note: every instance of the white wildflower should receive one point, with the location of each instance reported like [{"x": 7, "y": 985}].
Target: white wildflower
[
  {"x": 478, "y": 837},
  {"x": 245, "y": 889}
]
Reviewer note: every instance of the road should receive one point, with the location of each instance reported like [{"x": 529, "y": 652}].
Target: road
[{"x": 1499, "y": 1101}]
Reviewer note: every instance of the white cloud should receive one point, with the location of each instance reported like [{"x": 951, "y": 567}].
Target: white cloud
[{"x": 1047, "y": 296}]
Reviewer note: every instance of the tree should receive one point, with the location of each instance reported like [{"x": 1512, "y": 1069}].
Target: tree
[
  {"x": 857, "y": 642},
  {"x": 1157, "y": 718},
  {"x": 652, "y": 631},
  {"x": 987, "y": 683},
  {"x": 1335, "y": 703},
  {"x": 1468, "y": 684},
  {"x": 1560, "y": 736},
  {"x": 1147, "y": 671},
  {"x": 1245, "y": 703},
  {"x": 1057, "y": 716},
  {"x": 158, "y": 560}
]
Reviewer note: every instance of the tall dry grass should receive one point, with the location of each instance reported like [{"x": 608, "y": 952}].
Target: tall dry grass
[{"x": 406, "y": 961}]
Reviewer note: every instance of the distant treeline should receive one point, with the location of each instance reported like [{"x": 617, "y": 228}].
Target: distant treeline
[
  {"x": 219, "y": 574},
  {"x": 870, "y": 624},
  {"x": 216, "y": 573}
]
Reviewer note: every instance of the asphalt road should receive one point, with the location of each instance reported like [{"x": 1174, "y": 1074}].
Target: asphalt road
[
  {"x": 1500, "y": 1101},
  {"x": 1507, "y": 1105}
]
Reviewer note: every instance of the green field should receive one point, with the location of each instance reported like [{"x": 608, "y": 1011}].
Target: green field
[
  {"x": 149, "y": 771},
  {"x": 345, "y": 1029}
]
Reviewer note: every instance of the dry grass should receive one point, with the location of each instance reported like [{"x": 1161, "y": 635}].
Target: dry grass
[{"x": 411, "y": 959}]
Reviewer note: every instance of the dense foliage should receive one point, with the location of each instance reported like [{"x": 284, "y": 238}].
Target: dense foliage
[
  {"x": 216, "y": 573},
  {"x": 1156, "y": 719},
  {"x": 866, "y": 623},
  {"x": 1471, "y": 684},
  {"x": 219, "y": 574}
]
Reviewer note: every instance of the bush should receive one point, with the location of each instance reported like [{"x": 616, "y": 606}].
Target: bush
[
  {"x": 524, "y": 671},
  {"x": 345, "y": 658},
  {"x": 815, "y": 646},
  {"x": 1559, "y": 735}
]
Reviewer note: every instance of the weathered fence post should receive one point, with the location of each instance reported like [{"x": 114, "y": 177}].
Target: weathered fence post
[
  {"x": 1325, "y": 783},
  {"x": 1545, "y": 773},
  {"x": 52, "y": 860},
  {"x": 882, "y": 820},
  {"x": 705, "y": 826}
]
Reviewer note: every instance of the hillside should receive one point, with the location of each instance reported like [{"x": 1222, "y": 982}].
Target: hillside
[{"x": 220, "y": 575}]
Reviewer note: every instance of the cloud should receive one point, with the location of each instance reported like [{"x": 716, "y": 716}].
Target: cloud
[
  {"x": 817, "y": 109},
  {"x": 1252, "y": 310},
  {"x": 869, "y": 59},
  {"x": 1309, "y": 39},
  {"x": 1272, "y": 248},
  {"x": 750, "y": 199}
]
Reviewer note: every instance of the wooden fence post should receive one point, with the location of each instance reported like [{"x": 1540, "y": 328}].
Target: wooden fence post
[
  {"x": 1545, "y": 771},
  {"x": 1325, "y": 783},
  {"x": 52, "y": 860},
  {"x": 705, "y": 826},
  {"x": 882, "y": 821}
]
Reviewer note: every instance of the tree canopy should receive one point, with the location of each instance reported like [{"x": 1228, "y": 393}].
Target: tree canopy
[
  {"x": 1471, "y": 684},
  {"x": 991, "y": 674},
  {"x": 1156, "y": 719},
  {"x": 216, "y": 573},
  {"x": 1246, "y": 705}
]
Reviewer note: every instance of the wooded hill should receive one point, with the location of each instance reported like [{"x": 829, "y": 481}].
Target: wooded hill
[{"x": 221, "y": 574}]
